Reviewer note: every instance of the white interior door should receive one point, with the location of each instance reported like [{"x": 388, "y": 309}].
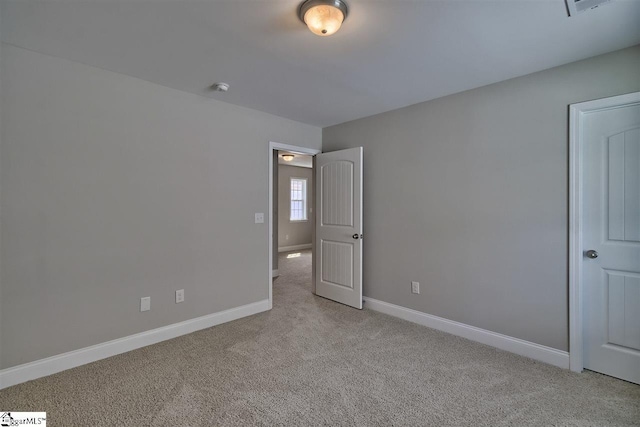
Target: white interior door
[
  {"x": 611, "y": 241},
  {"x": 338, "y": 247}
]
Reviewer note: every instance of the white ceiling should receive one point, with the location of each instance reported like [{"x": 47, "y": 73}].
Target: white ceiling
[
  {"x": 387, "y": 55},
  {"x": 300, "y": 160}
]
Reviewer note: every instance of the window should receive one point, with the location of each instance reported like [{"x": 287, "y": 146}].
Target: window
[{"x": 298, "y": 199}]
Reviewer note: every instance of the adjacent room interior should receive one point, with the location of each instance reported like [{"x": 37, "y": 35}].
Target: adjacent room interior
[
  {"x": 295, "y": 185},
  {"x": 320, "y": 212},
  {"x": 293, "y": 219}
]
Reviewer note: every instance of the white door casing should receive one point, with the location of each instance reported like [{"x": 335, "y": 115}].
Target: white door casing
[
  {"x": 338, "y": 249},
  {"x": 607, "y": 135}
]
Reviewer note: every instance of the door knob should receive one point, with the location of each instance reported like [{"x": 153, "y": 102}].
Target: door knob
[
  {"x": 357, "y": 236},
  {"x": 591, "y": 254}
]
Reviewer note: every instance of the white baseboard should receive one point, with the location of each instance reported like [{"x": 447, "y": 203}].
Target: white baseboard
[
  {"x": 294, "y": 248},
  {"x": 72, "y": 359},
  {"x": 535, "y": 351},
  {"x": 275, "y": 273}
]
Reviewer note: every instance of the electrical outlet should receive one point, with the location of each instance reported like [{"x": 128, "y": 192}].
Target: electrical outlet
[
  {"x": 179, "y": 295},
  {"x": 259, "y": 218},
  {"x": 415, "y": 287},
  {"x": 286, "y": 237},
  {"x": 145, "y": 304}
]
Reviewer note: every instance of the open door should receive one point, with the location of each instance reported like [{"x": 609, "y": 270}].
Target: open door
[{"x": 338, "y": 244}]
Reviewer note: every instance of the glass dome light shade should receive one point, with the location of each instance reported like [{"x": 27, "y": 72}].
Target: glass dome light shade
[{"x": 323, "y": 20}]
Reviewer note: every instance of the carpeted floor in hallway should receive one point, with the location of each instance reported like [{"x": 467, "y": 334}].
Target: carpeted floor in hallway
[{"x": 310, "y": 361}]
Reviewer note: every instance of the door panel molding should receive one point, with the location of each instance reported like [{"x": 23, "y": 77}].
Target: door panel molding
[
  {"x": 577, "y": 114},
  {"x": 338, "y": 226}
]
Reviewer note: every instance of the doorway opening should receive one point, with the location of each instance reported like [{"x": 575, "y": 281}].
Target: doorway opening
[
  {"x": 293, "y": 215},
  {"x": 292, "y": 219}
]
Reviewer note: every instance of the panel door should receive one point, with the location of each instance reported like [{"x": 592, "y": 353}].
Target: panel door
[
  {"x": 338, "y": 248},
  {"x": 611, "y": 229}
]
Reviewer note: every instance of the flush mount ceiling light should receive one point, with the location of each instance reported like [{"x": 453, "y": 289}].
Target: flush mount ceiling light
[
  {"x": 323, "y": 17},
  {"x": 287, "y": 157}
]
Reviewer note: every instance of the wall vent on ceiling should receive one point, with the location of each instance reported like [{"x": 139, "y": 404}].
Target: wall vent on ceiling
[{"x": 578, "y": 6}]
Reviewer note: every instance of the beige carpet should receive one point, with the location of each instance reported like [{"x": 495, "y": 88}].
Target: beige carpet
[{"x": 310, "y": 361}]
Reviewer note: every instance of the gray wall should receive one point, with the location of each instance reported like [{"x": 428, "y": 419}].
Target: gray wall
[
  {"x": 293, "y": 233},
  {"x": 468, "y": 195},
  {"x": 114, "y": 188}
]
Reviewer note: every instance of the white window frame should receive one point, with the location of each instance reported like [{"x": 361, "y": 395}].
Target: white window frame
[{"x": 305, "y": 199}]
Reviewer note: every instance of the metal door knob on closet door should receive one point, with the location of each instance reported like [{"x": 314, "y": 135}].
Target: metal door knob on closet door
[
  {"x": 357, "y": 236},
  {"x": 591, "y": 254}
]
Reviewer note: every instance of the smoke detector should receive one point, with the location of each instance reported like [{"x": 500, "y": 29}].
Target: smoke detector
[{"x": 220, "y": 87}]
